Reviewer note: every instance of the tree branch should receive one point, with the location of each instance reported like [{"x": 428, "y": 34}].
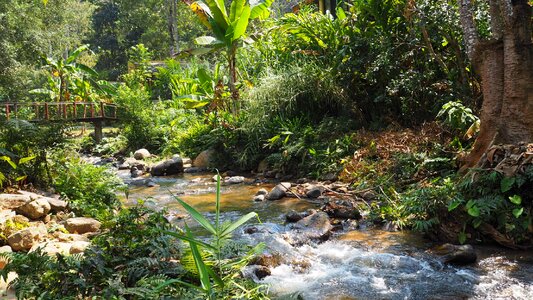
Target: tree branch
[{"x": 496, "y": 24}]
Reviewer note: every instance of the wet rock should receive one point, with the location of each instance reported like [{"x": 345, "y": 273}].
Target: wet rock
[
  {"x": 234, "y": 180},
  {"x": 52, "y": 248},
  {"x": 151, "y": 183},
  {"x": 293, "y": 216},
  {"x": 194, "y": 170},
  {"x": 78, "y": 247},
  {"x": 141, "y": 154},
  {"x": 82, "y": 225},
  {"x": 56, "y": 205},
  {"x": 24, "y": 239},
  {"x": 261, "y": 192},
  {"x": 187, "y": 161},
  {"x": 279, "y": 191},
  {"x": 139, "y": 165},
  {"x": 136, "y": 173},
  {"x": 316, "y": 227},
  {"x": 456, "y": 254},
  {"x": 35, "y": 209},
  {"x": 302, "y": 180},
  {"x": 271, "y": 174},
  {"x": 204, "y": 159},
  {"x": 342, "y": 209},
  {"x": 267, "y": 260},
  {"x": 259, "y": 198},
  {"x": 261, "y": 272},
  {"x": 124, "y": 166},
  {"x": 13, "y": 201},
  {"x": 168, "y": 167},
  {"x": 329, "y": 177},
  {"x": 251, "y": 230},
  {"x": 314, "y": 192}
]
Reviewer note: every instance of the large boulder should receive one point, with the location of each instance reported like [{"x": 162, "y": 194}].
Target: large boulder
[
  {"x": 168, "y": 167},
  {"x": 69, "y": 237},
  {"x": 52, "y": 248},
  {"x": 456, "y": 254},
  {"x": 56, "y": 205},
  {"x": 35, "y": 209},
  {"x": 141, "y": 154},
  {"x": 279, "y": 191},
  {"x": 25, "y": 239},
  {"x": 315, "y": 227},
  {"x": 342, "y": 209},
  {"x": 314, "y": 191},
  {"x": 204, "y": 159},
  {"x": 78, "y": 247},
  {"x": 82, "y": 225},
  {"x": 234, "y": 180},
  {"x": 13, "y": 201}
]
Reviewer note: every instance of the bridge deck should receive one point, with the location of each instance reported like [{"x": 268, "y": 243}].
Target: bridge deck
[{"x": 59, "y": 111}]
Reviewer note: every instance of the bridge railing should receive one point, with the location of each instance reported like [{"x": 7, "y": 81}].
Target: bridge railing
[{"x": 57, "y": 111}]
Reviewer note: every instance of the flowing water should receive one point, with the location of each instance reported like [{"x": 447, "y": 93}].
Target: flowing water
[{"x": 358, "y": 264}]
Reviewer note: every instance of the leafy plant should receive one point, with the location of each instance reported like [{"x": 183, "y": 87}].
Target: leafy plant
[
  {"x": 225, "y": 271},
  {"x": 459, "y": 118},
  {"x": 228, "y": 30},
  {"x": 90, "y": 190}
]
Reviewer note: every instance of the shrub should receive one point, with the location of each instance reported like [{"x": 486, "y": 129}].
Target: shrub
[{"x": 90, "y": 190}]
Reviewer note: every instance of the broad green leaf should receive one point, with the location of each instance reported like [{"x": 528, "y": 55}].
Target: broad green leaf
[
  {"x": 239, "y": 27},
  {"x": 72, "y": 57},
  {"x": 516, "y": 199},
  {"x": 454, "y": 204},
  {"x": 206, "y": 41},
  {"x": 473, "y": 211},
  {"x": 231, "y": 227},
  {"x": 517, "y": 212},
  {"x": 462, "y": 237},
  {"x": 260, "y": 9},
  {"x": 197, "y": 216},
  {"x": 236, "y": 9},
  {"x": 200, "y": 265},
  {"x": 26, "y": 159},
  {"x": 206, "y": 80},
  {"x": 20, "y": 178},
  {"x": 218, "y": 14},
  {"x": 470, "y": 203},
  {"x": 87, "y": 70},
  {"x": 190, "y": 240},
  {"x": 9, "y": 161},
  {"x": 341, "y": 15},
  {"x": 506, "y": 184},
  {"x": 476, "y": 223}
]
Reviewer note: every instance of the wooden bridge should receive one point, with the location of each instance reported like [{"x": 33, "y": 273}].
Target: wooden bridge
[{"x": 89, "y": 112}]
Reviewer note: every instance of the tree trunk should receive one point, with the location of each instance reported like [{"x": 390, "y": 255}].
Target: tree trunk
[
  {"x": 233, "y": 80},
  {"x": 505, "y": 65},
  {"x": 172, "y": 26}
]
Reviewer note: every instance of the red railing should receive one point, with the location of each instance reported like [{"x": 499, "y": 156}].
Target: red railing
[{"x": 56, "y": 111}]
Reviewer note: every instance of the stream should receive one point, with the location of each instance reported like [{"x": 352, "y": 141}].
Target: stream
[{"x": 357, "y": 264}]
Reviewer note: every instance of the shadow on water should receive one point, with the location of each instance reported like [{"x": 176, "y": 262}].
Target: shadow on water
[{"x": 362, "y": 264}]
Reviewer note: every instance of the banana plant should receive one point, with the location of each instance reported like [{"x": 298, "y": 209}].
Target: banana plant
[
  {"x": 69, "y": 76},
  {"x": 228, "y": 28}
]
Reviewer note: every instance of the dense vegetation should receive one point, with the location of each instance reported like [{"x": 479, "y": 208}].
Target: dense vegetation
[{"x": 382, "y": 96}]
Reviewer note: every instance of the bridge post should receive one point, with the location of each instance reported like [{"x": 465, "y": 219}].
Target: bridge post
[{"x": 98, "y": 133}]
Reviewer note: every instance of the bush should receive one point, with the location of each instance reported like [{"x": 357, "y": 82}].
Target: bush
[{"x": 90, "y": 190}]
